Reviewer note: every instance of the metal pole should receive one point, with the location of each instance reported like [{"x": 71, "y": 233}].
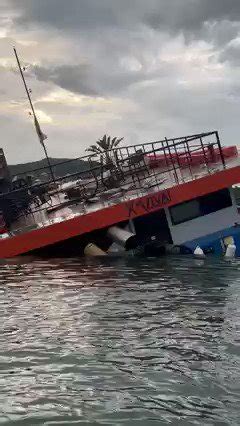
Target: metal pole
[
  {"x": 220, "y": 150},
  {"x": 49, "y": 163},
  {"x": 172, "y": 161},
  {"x": 34, "y": 114}
]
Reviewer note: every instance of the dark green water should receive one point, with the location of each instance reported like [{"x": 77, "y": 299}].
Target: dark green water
[{"x": 120, "y": 342}]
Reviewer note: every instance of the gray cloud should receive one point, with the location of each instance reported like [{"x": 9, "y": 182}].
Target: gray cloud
[
  {"x": 91, "y": 80},
  {"x": 231, "y": 54},
  {"x": 147, "y": 60},
  {"x": 75, "y": 14},
  {"x": 190, "y": 15},
  {"x": 71, "y": 77},
  {"x": 173, "y": 15}
]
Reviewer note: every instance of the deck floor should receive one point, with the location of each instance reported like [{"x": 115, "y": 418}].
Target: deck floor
[{"x": 126, "y": 192}]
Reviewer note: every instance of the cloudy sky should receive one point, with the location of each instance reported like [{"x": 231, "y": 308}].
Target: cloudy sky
[{"x": 136, "y": 69}]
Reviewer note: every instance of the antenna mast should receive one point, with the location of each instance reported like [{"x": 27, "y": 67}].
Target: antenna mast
[{"x": 38, "y": 130}]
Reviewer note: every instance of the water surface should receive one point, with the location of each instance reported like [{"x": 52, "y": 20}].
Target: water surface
[{"x": 120, "y": 341}]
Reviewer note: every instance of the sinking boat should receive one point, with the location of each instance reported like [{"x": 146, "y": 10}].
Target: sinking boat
[{"x": 167, "y": 196}]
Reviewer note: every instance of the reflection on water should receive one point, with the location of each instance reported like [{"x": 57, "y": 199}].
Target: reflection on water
[{"x": 120, "y": 341}]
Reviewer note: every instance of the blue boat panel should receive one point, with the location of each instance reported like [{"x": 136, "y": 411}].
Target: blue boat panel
[{"x": 214, "y": 243}]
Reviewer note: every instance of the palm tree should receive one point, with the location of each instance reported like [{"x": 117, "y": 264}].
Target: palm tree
[{"x": 104, "y": 146}]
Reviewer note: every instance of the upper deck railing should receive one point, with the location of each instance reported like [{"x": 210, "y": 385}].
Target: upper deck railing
[{"x": 113, "y": 175}]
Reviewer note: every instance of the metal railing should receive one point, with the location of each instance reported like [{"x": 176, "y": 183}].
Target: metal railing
[{"x": 113, "y": 174}]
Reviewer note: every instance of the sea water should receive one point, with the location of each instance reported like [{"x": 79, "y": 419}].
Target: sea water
[{"x": 131, "y": 341}]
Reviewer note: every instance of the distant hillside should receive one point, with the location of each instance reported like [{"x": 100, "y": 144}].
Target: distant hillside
[{"x": 69, "y": 167}]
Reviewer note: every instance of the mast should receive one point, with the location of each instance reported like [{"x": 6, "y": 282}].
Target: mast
[{"x": 41, "y": 136}]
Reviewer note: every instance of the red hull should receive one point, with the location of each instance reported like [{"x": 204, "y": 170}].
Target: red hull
[{"x": 124, "y": 211}]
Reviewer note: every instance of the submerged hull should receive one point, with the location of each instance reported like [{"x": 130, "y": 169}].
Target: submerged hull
[{"x": 216, "y": 243}]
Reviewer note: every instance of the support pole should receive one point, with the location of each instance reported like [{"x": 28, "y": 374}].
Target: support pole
[{"x": 34, "y": 115}]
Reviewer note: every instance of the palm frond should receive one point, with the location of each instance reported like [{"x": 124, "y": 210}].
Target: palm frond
[
  {"x": 109, "y": 142},
  {"x": 113, "y": 142},
  {"x": 94, "y": 149},
  {"x": 103, "y": 143},
  {"x": 118, "y": 141}
]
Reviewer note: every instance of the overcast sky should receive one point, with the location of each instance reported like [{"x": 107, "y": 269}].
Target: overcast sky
[{"x": 138, "y": 69}]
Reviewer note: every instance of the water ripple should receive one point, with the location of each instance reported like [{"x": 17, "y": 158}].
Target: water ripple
[{"x": 120, "y": 341}]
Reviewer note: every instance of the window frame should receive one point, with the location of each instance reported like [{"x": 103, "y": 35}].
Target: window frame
[{"x": 228, "y": 203}]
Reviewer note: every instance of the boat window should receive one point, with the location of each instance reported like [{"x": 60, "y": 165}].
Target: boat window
[
  {"x": 185, "y": 211},
  {"x": 219, "y": 200},
  {"x": 200, "y": 206}
]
